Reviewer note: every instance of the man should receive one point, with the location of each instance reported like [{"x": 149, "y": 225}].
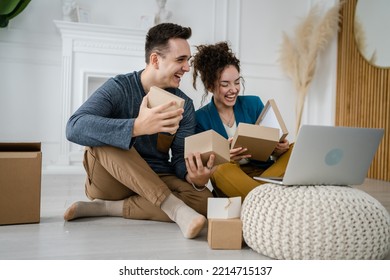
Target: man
[{"x": 127, "y": 175}]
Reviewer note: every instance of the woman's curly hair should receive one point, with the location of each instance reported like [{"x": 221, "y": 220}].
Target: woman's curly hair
[{"x": 209, "y": 62}]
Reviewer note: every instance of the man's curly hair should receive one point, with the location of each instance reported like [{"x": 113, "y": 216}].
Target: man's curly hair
[{"x": 209, "y": 62}]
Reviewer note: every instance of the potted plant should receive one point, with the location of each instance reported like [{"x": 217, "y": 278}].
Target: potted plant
[{"x": 10, "y": 9}]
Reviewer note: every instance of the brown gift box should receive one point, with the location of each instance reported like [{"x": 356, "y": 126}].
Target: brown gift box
[
  {"x": 225, "y": 234},
  {"x": 261, "y": 138},
  {"x": 20, "y": 183},
  {"x": 158, "y": 96},
  {"x": 206, "y": 143}
]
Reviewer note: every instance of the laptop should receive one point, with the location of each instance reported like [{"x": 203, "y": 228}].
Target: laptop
[{"x": 329, "y": 155}]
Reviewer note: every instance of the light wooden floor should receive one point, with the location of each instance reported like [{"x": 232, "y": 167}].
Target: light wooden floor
[{"x": 115, "y": 238}]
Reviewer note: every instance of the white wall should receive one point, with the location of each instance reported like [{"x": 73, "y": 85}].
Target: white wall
[
  {"x": 30, "y": 59},
  {"x": 374, "y": 19}
]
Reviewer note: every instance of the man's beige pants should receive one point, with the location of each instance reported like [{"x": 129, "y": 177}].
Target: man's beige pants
[{"x": 116, "y": 174}]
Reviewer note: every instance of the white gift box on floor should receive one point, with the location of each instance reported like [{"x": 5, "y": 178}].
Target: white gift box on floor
[{"x": 224, "y": 207}]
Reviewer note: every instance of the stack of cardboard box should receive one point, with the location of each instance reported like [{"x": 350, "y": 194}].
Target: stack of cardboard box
[{"x": 224, "y": 223}]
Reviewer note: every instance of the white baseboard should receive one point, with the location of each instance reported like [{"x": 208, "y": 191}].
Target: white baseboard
[{"x": 63, "y": 170}]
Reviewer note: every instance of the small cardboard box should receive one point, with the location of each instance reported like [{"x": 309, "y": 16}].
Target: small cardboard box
[
  {"x": 158, "y": 96},
  {"x": 20, "y": 183},
  {"x": 271, "y": 117},
  {"x": 223, "y": 207},
  {"x": 206, "y": 143},
  {"x": 259, "y": 140},
  {"x": 224, "y": 234}
]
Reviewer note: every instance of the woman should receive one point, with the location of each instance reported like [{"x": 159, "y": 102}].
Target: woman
[{"x": 219, "y": 71}]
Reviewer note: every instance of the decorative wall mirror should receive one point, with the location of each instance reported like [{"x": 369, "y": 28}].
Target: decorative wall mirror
[{"x": 371, "y": 26}]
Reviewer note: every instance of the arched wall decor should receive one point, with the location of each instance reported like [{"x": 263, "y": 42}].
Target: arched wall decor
[{"x": 363, "y": 92}]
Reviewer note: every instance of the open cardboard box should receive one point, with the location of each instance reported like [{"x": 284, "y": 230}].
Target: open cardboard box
[
  {"x": 271, "y": 117},
  {"x": 224, "y": 207},
  {"x": 207, "y": 143},
  {"x": 20, "y": 183},
  {"x": 158, "y": 96},
  {"x": 224, "y": 224},
  {"x": 261, "y": 138}
]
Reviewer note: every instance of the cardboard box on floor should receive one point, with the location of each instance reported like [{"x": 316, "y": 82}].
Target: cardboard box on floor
[
  {"x": 206, "y": 143},
  {"x": 225, "y": 234},
  {"x": 261, "y": 138},
  {"x": 224, "y": 224},
  {"x": 20, "y": 183}
]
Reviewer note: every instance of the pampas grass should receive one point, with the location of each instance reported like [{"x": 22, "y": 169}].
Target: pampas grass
[
  {"x": 360, "y": 38},
  {"x": 298, "y": 56}
]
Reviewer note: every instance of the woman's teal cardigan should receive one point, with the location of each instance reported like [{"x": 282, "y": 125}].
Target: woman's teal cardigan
[{"x": 247, "y": 109}]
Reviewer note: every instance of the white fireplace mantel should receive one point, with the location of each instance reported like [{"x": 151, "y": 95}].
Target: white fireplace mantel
[
  {"x": 86, "y": 37},
  {"x": 90, "y": 55}
]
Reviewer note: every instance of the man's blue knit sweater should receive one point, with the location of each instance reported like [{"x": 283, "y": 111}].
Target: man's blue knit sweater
[{"x": 107, "y": 118}]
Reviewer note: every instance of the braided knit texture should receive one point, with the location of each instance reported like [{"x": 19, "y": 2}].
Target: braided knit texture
[{"x": 315, "y": 222}]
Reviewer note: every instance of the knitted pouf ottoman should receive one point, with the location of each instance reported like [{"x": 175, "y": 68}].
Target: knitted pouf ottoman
[{"x": 315, "y": 222}]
